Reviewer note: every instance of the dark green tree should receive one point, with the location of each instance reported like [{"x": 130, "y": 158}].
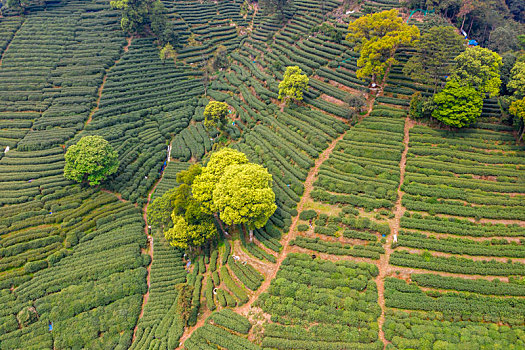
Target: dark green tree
[{"x": 433, "y": 52}]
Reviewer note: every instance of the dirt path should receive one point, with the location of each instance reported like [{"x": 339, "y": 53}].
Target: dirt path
[
  {"x": 150, "y": 252},
  {"x": 399, "y": 210},
  {"x": 308, "y": 186},
  {"x": 99, "y": 92}
]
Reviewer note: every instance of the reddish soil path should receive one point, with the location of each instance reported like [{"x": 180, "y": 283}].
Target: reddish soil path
[
  {"x": 399, "y": 210},
  {"x": 99, "y": 92},
  {"x": 308, "y": 186},
  {"x": 150, "y": 252}
]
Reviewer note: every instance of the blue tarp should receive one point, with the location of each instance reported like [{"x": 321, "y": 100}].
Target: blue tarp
[
  {"x": 473, "y": 42},
  {"x": 51, "y": 326}
]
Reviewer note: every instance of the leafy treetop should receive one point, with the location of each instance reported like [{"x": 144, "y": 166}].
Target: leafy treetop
[
  {"x": 205, "y": 183},
  {"x": 244, "y": 195},
  {"x": 479, "y": 68},
  {"x": 457, "y": 105},
  {"x": 431, "y": 59},
  {"x": 517, "y": 109},
  {"x": 377, "y": 36},
  {"x": 294, "y": 84},
  {"x": 92, "y": 159},
  {"x": 215, "y": 115},
  {"x": 517, "y": 80}
]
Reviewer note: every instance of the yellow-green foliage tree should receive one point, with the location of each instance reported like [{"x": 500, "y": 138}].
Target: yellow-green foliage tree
[
  {"x": 91, "y": 160},
  {"x": 180, "y": 215},
  {"x": 294, "y": 84},
  {"x": 376, "y": 37},
  {"x": 215, "y": 115},
  {"x": 457, "y": 105},
  {"x": 244, "y": 196},
  {"x": 517, "y": 81},
  {"x": 167, "y": 52},
  {"x": 205, "y": 183},
  {"x": 517, "y": 109},
  {"x": 479, "y": 68}
]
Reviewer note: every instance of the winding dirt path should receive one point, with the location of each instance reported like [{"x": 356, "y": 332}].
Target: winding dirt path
[
  {"x": 99, "y": 92},
  {"x": 399, "y": 211},
  {"x": 149, "y": 250}
]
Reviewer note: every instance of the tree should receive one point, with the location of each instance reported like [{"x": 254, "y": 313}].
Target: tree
[
  {"x": 137, "y": 15},
  {"x": 17, "y": 5},
  {"x": 270, "y": 7},
  {"x": 416, "y": 105},
  {"x": 184, "y": 222},
  {"x": 174, "y": 200},
  {"x": 134, "y": 14},
  {"x": 220, "y": 58},
  {"x": 479, "y": 68},
  {"x": 205, "y": 183},
  {"x": 508, "y": 61},
  {"x": 215, "y": 115},
  {"x": 457, "y": 105},
  {"x": 517, "y": 81},
  {"x": 294, "y": 84},
  {"x": 192, "y": 229},
  {"x": 92, "y": 159},
  {"x": 244, "y": 196},
  {"x": 357, "y": 102},
  {"x": 431, "y": 59},
  {"x": 377, "y": 36},
  {"x": 504, "y": 39},
  {"x": 166, "y": 52},
  {"x": 517, "y": 109}
]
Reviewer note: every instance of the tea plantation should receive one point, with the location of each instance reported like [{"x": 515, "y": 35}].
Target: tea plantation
[{"x": 392, "y": 229}]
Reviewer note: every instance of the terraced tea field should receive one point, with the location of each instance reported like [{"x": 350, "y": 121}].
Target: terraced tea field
[{"x": 389, "y": 232}]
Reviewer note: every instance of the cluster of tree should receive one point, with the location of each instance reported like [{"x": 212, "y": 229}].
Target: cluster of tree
[
  {"x": 229, "y": 190},
  {"x": 487, "y": 21},
  {"x": 279, "y": 7},
  {"x": 140, "y": 16},
  {"x": 16, "y": 5},
  {"x": 376, "y": 37},
  {"x": 476, "y": 72},
  {"x": 91, "y": 160}
]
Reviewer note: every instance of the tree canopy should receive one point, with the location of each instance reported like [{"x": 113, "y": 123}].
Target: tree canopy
[
  {"x": 139, "y": 14},
  {"x": 457, "y": 105},
  {"x": 205, "y": 183},
  {"x": 517, "y": 109},
  {"x": 244, "y": 195},
  {"x": 279, "y": 7},
  {"x": 517, "y": 81},
  {"x": 215, "y": 115},
  {"x": 479, "y": 68},
  {"x": 377, "y": 36},
  {"x": 294, "y": 84},
  {"x": 429, "y": 64},
  {"x": 91, "y": 160}
]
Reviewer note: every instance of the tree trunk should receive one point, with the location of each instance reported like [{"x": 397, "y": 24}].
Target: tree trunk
[
  {"x": 463, "y": 23},
  {"x": 221, "y": 225},
  {"x": 243, "y": 230},
  {"x": 251, "y": 235}
]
